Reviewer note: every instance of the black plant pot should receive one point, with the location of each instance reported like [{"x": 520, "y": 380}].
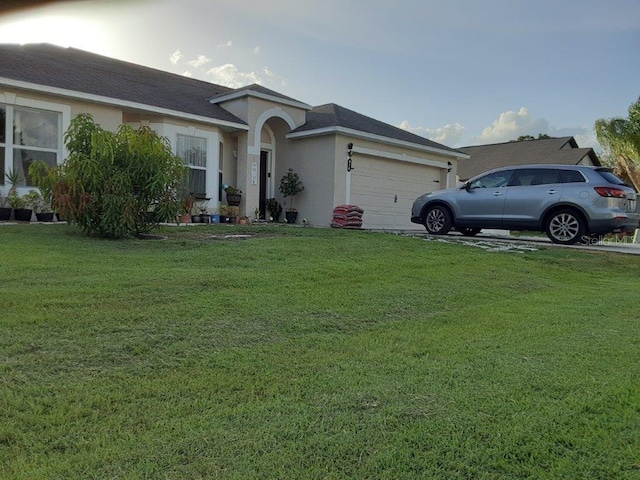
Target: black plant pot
[
  {"x": 5, "y": 214},
  {"x": 234, "y": 199},
  {"x": 291, "y": 216},
  {"x": 22, "y": 214},
  {"x": 45, "y": 217}
]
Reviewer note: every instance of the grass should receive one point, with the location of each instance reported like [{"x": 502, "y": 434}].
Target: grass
[{"x": 311, "y": 353}]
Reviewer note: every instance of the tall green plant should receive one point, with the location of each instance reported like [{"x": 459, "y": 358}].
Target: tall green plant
[
  {"x": 112, "y": 179},
  {"x": 620, "y": 137},
  {"x": 290, "y": 186}
]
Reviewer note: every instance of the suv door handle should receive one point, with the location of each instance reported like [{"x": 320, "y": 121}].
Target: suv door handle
[
  {"x": 497, "y": 194},
  {"x": 552, "y": 191}
]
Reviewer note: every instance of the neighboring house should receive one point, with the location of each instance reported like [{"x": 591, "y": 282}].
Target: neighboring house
[
  {"x": 562, "y": 150},
  {"x": 247, "y": 137}
]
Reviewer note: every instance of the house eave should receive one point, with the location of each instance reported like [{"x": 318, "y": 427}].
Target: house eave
[
  {"x": 77, "y": 95},
  {"x": 376, "y": 138}
]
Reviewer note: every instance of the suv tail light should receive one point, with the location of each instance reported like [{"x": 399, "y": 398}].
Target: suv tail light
[{"x": 610, "y": 192}]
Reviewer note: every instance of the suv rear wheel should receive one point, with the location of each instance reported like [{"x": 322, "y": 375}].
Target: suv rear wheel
[
  {"x": 437, "y": 220},
  {"x": 565, "y": 227}
]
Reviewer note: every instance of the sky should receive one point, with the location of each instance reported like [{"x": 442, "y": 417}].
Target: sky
[{"x": 459, "y": 72}]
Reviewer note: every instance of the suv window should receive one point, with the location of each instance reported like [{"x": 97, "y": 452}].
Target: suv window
[
  {"x": 572, "y": 176},
  {"x": 535, "y": 176},
  {"x": 493, "y": 180},
  {"x": 609, "y": 176}
]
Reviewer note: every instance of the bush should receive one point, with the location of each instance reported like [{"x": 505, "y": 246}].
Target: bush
[{"x": 111, "y": 180}]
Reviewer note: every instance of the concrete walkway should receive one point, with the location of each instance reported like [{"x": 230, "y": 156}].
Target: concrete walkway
[{"x": 606, "y": 245}]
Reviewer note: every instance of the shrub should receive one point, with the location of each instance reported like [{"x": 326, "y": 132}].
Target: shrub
[{"x": 112, "y": 179}]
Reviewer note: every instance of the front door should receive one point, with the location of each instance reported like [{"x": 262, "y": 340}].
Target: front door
[{"x": 265, "y": 174}]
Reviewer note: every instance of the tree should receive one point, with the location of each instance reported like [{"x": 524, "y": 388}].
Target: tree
[
  {"x": 541, "y": 136},
  {"x": 290, "y": 186},
  {"x": 115, "y": 184},
  {"x": 620, "y": 138}
]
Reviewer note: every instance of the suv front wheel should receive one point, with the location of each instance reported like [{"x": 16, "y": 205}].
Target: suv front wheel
[
  {"x": 437, "y": 220},
  {"x": 565, "y": 227}
]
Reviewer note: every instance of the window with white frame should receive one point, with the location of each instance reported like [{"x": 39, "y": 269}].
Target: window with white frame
[
  {"x": 193, "y": 151},
  {"x": 28, "y": 135}
]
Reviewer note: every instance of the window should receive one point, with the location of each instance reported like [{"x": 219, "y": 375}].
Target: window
[
  {"x": 193, "y": 151},
  {"x": 492, "y": 180},
  {"x": 535, "y": 176},
  {"x": 572, "y": 176},
  {"x": 30, "y": 135}
]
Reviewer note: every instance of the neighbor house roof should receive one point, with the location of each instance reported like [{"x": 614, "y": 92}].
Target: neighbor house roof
[
  {"x": 78, "y": 72},
  {"x": 332, "y": 118},
  {"x": 563, "y": 151}
]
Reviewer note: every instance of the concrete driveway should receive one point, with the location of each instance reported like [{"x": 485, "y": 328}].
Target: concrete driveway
[{"x": 502, "y": 240}]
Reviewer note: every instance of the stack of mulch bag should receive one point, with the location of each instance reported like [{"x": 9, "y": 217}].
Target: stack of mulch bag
[{"x": 347, "y": 216}]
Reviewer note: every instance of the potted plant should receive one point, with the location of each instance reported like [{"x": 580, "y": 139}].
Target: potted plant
[
  {"x": 186, "y": 205},
  {"x": 274, "y": 208},
  {"x": 45, "y": 178},
  {"x": 21, "y": 212},
  {"x": 42, "y": 208},
  {"x": 234, "y": 195},
  {"x": 5, "y": 210},
  {"x": 224, "y": 210},
  {"x": 290, "y": 186}
]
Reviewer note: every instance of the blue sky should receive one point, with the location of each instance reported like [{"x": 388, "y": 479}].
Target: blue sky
[{"x": 461, "y": 72}]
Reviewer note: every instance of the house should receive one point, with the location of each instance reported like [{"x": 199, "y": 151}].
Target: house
[
  {"x": 562, "y": 150},
  {"x": 247, "y": 137}
]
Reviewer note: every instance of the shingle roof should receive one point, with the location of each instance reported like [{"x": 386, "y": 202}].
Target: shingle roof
[
  {"x": 85, "y": 72},
  {"x": 332, "y": 115},
  {"x": 563, "y": 150}
]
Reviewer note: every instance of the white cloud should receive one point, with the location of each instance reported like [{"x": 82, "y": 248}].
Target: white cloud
[
  {"x": 230, "y": 76},
  {"x": 449, "y": 135},
  {"x": 510, "y": 125},
  {"x": 175, "y": 57},
  {"x": 198, "y": 62},
  {"x": 228, "y": 44},
  {"x": 256, "y": 50},
  {"x": 187, "y": 73}
]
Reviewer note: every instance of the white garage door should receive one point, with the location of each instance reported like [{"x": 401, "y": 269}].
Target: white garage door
[{"x": 386, "y": 189}]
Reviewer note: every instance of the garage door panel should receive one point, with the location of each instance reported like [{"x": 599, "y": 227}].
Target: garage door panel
[{"x": 386, "y": 189}]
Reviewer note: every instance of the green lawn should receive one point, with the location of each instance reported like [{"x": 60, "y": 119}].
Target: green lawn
[{"x": 306, "y": 353}]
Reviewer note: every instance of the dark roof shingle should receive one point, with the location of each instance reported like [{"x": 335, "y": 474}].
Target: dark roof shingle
[
  {"x": 563, "y": 150},
  {"x": 332, "y": 115},
  {"x": 89, "y": 73}
]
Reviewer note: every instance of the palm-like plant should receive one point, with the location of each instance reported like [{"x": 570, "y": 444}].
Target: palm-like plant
[{"x": 620, "y": 137}]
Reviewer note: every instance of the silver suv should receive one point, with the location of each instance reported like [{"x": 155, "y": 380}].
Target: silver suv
[{"x": 570, "y": 203}]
